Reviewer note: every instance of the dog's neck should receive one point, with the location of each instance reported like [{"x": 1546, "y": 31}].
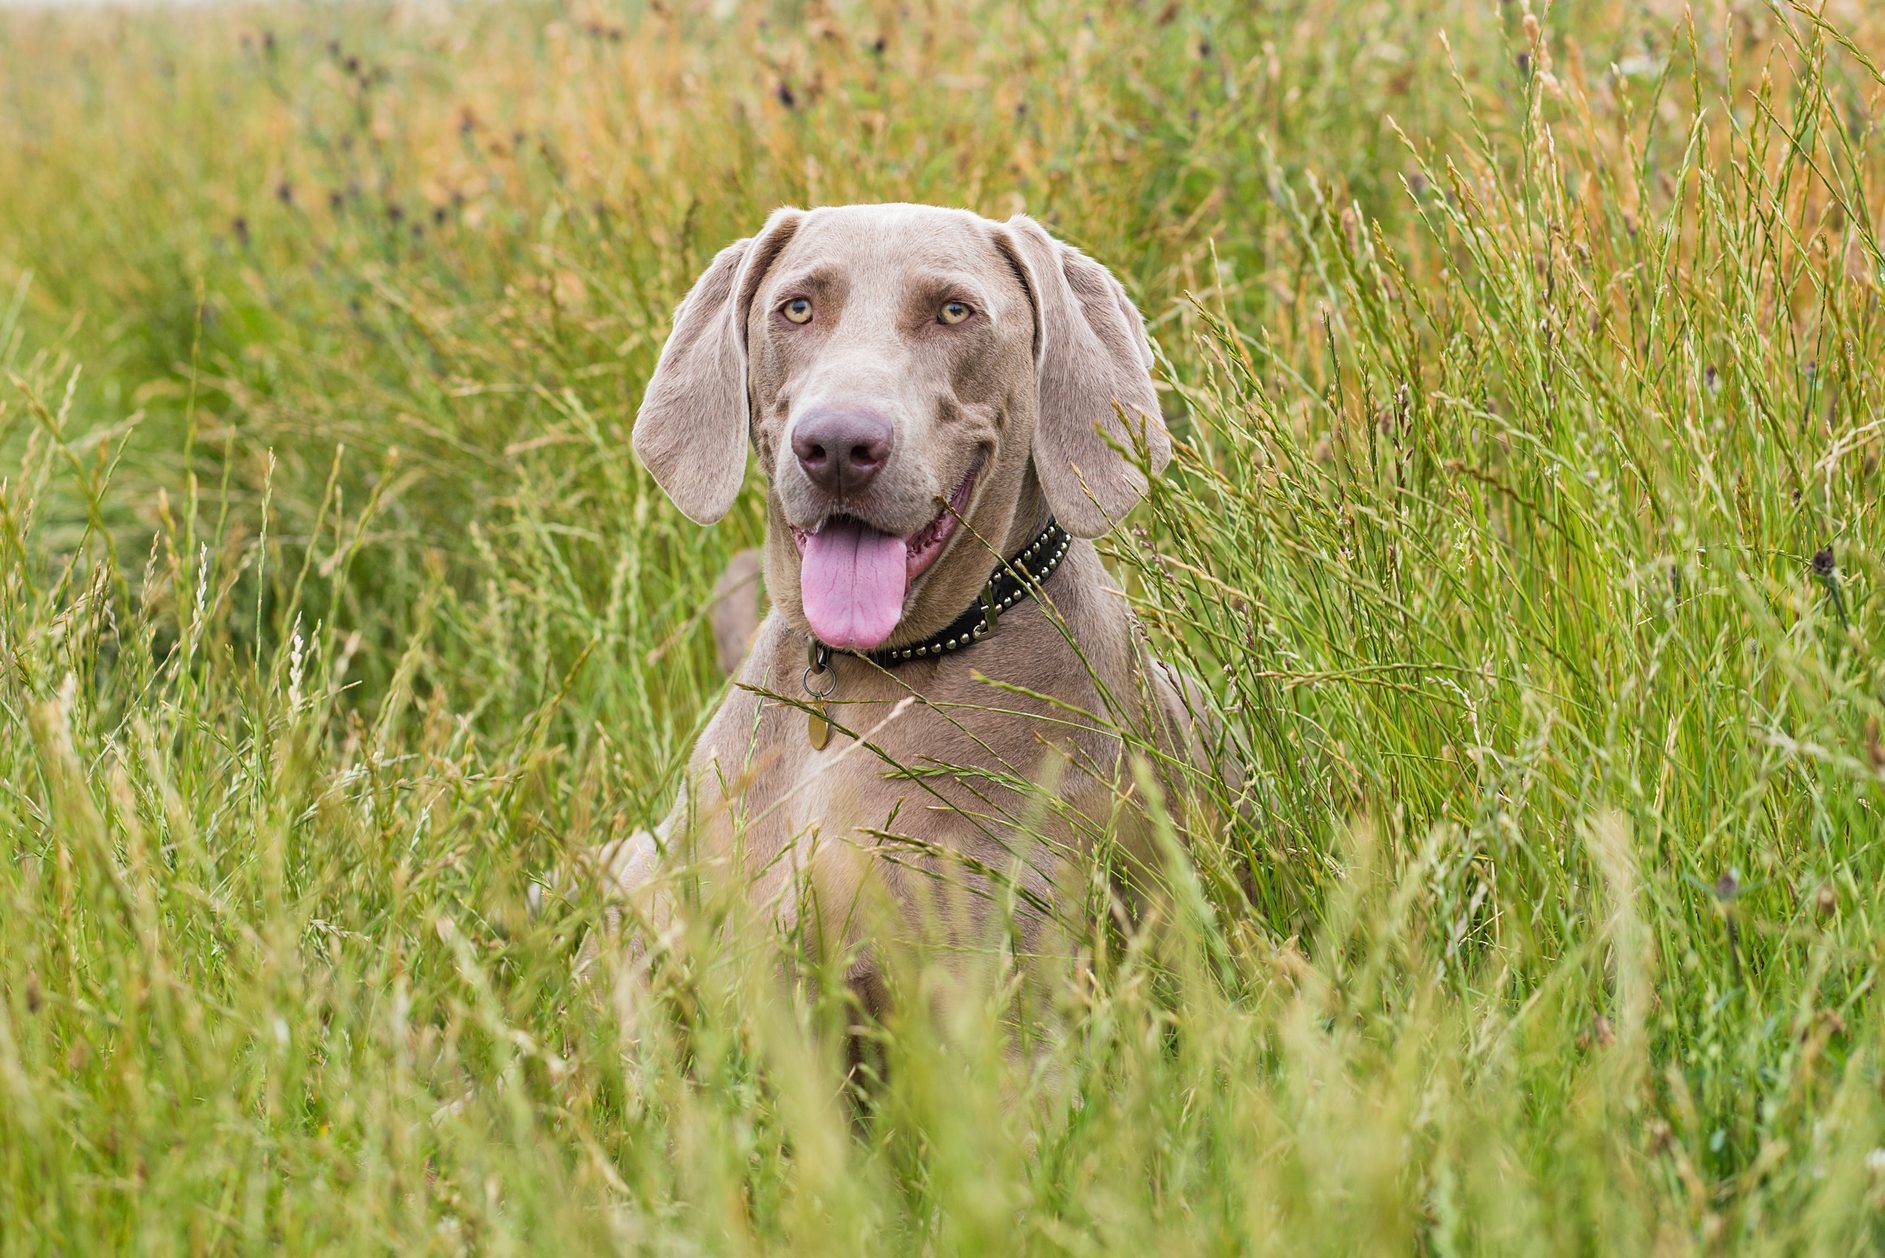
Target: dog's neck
[
  {"x": 954, "y": 583},
  {"x": 978, "y": 550},
  {"x": 1016, "y": 579},
  {"x": 1030, "y": 517}
]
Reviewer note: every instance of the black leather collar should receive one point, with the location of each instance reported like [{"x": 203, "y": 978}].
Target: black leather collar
[{"x": 1011, "y": 582}]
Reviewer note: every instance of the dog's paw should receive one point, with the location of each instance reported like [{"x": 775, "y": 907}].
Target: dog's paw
[
  {"x": 619, "y": 869},
  {"x": 623, "y": 876}
]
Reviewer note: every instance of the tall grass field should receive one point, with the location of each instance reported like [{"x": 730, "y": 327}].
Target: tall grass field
[{"x": 1526, "y": 368}]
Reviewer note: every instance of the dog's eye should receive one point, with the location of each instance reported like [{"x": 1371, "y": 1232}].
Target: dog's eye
[
  {"x": 953, "y": 312},
  {"x": 798, "y": 310}
]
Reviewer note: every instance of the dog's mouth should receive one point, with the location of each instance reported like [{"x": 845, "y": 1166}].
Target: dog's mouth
[{"x": 853, "y": 578}]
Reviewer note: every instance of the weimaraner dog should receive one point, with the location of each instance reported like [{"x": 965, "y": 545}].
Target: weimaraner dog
[{"x": 925, "y": 733}]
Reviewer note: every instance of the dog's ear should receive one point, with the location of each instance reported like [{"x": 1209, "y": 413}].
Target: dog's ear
[
  {"x": 691, "y": 431},
  {"x": 1095, "y": 377}
]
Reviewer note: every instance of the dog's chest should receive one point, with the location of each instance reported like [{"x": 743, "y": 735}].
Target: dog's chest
[
  {"x": 899, "y": 770},
  {"x": 865, "y": 767},
  {"x": 950, "y": 754}
]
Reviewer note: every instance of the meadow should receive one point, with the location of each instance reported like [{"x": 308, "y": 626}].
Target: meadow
[{"x": 1525, "y": 369}]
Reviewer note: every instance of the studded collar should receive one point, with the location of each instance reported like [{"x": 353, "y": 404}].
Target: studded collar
[{"x": 1012, "y": 581}]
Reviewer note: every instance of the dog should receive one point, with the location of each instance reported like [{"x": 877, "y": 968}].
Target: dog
[{"x": 928, "y": 736}]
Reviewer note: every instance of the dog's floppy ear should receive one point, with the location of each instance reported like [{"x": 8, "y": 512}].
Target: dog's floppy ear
[
  {"x": 692, "y": 428},
  {"x": 1093, "y": 365}
]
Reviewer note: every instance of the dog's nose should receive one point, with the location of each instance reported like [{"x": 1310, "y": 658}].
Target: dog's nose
[{"x": 842, "y": 451}]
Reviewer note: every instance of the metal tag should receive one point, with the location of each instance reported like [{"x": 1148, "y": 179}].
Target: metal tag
[{"x": 818, "y": 664}]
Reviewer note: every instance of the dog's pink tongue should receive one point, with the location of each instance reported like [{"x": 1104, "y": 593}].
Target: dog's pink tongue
[{"x": 852, "y": 582}]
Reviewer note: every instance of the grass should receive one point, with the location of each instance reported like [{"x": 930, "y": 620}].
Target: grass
[{"x": 1525, "y": 531}]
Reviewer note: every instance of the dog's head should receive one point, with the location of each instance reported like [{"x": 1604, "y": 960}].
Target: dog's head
[{"x": 921, "y": 385}]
